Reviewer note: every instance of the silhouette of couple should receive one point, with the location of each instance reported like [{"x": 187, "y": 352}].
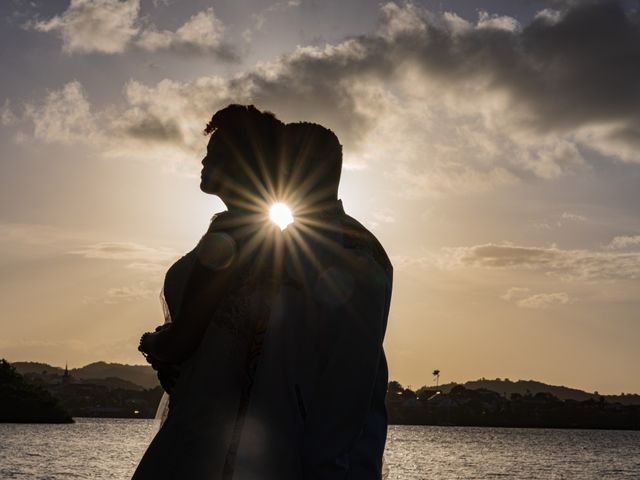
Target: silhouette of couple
[{"x": 272, "y": 349}]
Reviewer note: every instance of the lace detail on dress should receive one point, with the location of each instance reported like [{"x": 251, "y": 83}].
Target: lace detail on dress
[
  {"x": 234, "y": 314},
  {"x": 256, "y": 296}
]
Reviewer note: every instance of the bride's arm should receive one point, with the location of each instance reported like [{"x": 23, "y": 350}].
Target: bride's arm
[
  {"x": 222, "y": 254},
  {"x": 206, "y": 288}
]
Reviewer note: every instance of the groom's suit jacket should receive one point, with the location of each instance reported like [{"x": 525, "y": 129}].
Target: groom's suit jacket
[{"x": 317, "y": 404}]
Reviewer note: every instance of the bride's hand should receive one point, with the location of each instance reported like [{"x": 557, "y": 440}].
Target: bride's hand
[
  {"x": 147, "y": 339},
  {"x": 151, "y": 346},
  {"x": 146, "y": 345}
]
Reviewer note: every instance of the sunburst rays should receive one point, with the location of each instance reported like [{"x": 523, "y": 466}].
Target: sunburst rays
[{"x": 294, "y": 178}]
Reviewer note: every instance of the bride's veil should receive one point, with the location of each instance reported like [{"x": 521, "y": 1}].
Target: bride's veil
[{"x": 163, "y": 406}]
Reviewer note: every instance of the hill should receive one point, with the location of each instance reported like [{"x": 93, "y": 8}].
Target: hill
[
  {"x": 117, "y": 375},
  {"x": 523, "y": 387},
  {"x": 485, "y": 408},
  {"x": 22, "y": 402},
  {"x": 100, "y": 373}
]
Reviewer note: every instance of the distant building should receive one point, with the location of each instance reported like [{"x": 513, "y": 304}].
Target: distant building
[{"x": 66, "y": 377}]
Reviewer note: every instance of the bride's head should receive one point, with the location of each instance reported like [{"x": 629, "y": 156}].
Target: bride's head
[{"x": 242, "y": 164}]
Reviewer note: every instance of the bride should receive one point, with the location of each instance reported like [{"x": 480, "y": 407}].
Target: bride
[{"x": 273, "y": 358}]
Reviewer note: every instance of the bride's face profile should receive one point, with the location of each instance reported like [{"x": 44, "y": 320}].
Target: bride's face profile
[{"x": 242, "y": 164}]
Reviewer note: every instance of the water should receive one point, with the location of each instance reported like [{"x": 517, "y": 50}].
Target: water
[
  {"x": 416, "y": 453},
  {"x": 111, "y": 449}
]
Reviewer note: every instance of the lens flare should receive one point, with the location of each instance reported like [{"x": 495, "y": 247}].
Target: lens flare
[{"x": 281, "y": 215}]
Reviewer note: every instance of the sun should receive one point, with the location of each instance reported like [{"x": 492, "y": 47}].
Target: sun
[{"x": 281, "y": 215}]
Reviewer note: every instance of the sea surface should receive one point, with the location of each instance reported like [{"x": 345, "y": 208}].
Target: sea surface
[{"x": 111, "y": 449}]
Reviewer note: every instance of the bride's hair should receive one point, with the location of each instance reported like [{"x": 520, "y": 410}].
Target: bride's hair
[
  {"x": 255, "y": 139},
  {"x": 237, "y": 116}
]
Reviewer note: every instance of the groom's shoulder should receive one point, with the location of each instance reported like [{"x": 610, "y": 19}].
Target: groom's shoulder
[{"x": 357, "y": 238}]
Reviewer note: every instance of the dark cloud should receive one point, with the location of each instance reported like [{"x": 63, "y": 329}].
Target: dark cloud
[
  {"x": 572, "y": 71},
  {"x": 458, "y": 105},
  {"x": 570, "y": 264},
  {"x": 153, "y": 129},
  {"x": 570, "y": 68},
  {"x": 583, "y": 68},
  {"x": 124, "y": 251},
  {"x": 509, "y": 256}
]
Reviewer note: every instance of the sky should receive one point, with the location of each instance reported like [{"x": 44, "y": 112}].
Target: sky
[{"x": 491, "y": 146}]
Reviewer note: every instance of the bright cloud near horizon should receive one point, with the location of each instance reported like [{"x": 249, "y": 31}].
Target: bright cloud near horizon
[{"x": 492, "y": 146}]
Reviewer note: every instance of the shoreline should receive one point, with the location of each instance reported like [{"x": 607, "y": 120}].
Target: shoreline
[{"x": 511, "y": 427}]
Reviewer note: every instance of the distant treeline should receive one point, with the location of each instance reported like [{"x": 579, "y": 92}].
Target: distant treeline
[
  {"x": 55, "y": 396},
  {"x": 481, "y": 407},
  {"x": 132, "y": 377},
  {"x": 507, "y": 387},
  {"x": 110, "y": 397},
  {"x": 46, "y": 393},
  {"x": 24, "y": 402},
  {"x": 139, "y": 377},
  {"x": 88, "y": 400}
]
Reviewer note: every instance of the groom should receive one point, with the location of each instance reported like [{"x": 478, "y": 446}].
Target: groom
[
  {"x": 347, "y": 291},
  {"x": 308, "y": 399}
]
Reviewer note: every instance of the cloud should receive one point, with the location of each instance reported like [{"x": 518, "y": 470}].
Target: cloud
[
  {"x": 384, "y": 215},
  {"x": 104, "y": 26},
  {"x": 33, "y": 234},
  {"x": 46, "y": 239},
  {"x": 561, "y": 220},
  {"x": 143, "y": 130},
  {"x": 201, "y": 34},
  {"x": 515, "y": 292},
  {"x": 129, "y": 293},
  {"x": 572, "y": 217},
  {"x": 497, "y": 22},
  {"x": 406, "y": 262},
  {"x": 459, "y": 106},
  {"x": 569, "y": 264},
  {"x": 622, "y": 242},
  {"x": 273, "y": 9},
  {"x": 126, "y": 251},
  {"x": 112, "y": 27},
  {"x": 147, "y": 267},
  {"x": 64, "y": 116},
  {"x": 543, "y": 300},
  {"x": 524, "y": 299},
  {"x": 123, "y": 294},
  {"x": 7, "y": 116}
]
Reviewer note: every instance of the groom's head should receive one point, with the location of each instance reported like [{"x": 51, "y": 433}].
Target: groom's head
[{"x": 314, "y": 162}]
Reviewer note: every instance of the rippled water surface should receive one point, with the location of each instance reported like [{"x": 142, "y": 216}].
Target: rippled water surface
[
  {"x": 110, "y": 449},
  {"x": 477, "y": 453}
]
